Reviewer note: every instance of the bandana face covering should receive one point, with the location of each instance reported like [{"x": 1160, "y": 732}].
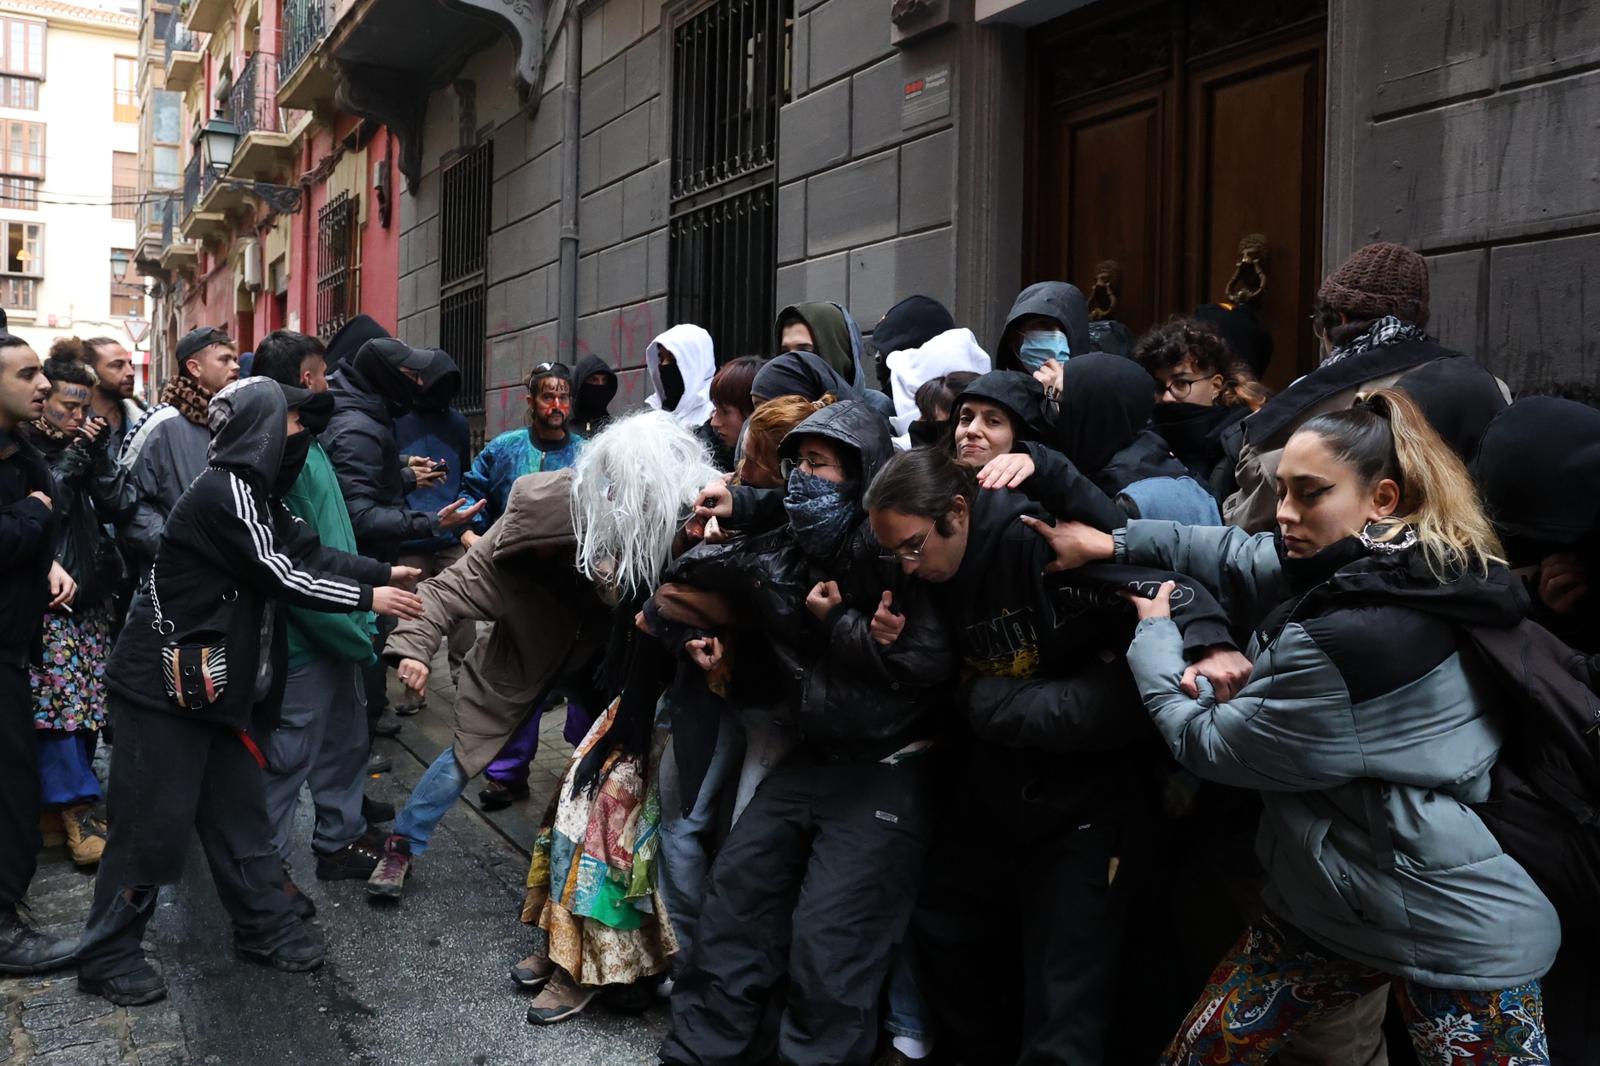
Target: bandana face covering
[{"x": 819, "y": 513}]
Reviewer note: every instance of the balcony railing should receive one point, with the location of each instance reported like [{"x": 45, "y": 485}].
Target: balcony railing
[
  {"x": 253, "y": 100},
  {"x": 180, "y": 38},
  {"x": 305, "y": 24},
  {"x": 197, "y": 181},
  {"x": 124, "y": 202},
  {"x": 169, "y": 223}
]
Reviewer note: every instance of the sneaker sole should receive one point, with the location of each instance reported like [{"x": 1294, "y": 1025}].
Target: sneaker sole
[
  {"x": 383, "y": 893},
  {"x": 97, "y": 988},
  {"x": 535, "y": 984},
  {"x": 535, "y": 1018},
  {"x": 266, "y": 958}
]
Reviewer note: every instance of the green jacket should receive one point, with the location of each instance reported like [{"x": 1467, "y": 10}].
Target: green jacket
[{"x": 316, "y": 500}]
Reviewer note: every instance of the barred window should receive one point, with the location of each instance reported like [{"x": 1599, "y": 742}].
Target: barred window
[
  {"x": 464, "y": 191},
  {"x": 337, "y": 269},
  {"x": 730, "y": 77}
]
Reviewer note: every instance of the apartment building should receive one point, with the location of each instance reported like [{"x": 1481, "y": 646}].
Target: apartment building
[{"x": 69, "y": 117}]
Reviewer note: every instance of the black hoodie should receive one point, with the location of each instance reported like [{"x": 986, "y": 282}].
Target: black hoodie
[
  {"x": 1053, "y": 299},
  {"x": 1052, "y": 698},
  {"x": 230, "y": 556},
  {"x": 591, "y": 403},
  {"x": 1459, "y": 398},
  {"x": 351, "y": 336},
  {"x": 1018, "y": 393},
  {"x": 800, "y": 374},
  {"x": 1538, "y": 468}
]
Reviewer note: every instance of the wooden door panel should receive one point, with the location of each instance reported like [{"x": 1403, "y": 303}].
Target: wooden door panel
[
  {"x": 1256, "y": 166},
  {"x": 1112, "y": 200}
]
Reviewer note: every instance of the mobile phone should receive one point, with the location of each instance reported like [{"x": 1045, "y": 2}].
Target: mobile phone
[{"x": 442, "y": 465}]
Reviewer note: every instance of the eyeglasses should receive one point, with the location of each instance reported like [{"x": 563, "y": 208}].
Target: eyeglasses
[
  {"x": 1179, "y": 387},
  {"x": 810, "y": 466},
  {"x": 908, "y": 552}
]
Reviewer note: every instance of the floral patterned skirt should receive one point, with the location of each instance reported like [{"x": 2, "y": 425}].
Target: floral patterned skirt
[
  {"x": 69, "y": 684},
  {"x": 592, "y": 884}
]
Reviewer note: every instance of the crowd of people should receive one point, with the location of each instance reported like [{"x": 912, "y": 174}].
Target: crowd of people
[{"x": 1077, "y": 700}]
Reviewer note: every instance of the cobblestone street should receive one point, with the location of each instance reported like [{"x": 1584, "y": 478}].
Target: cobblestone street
[{"x": 424, "y": 982}]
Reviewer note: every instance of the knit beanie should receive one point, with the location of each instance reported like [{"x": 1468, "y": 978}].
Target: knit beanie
[{"x": 1379, "y": 279}]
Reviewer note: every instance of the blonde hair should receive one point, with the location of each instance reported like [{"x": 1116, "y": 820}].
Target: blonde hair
[
  {"x": 765, "y": 429},
  {"x": 1386, "y": 435}
]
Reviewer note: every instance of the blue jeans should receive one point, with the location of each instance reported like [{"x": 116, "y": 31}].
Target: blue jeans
[
  {"x": 686, "y": 840},
  {"x": 441, "y": 785},
  {"x": 907, "y": 1012}
]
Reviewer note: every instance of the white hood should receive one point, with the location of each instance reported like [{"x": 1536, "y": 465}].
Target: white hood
[
  {"x": 691, "y": 346},
  {"x": 951, "y": 351}
]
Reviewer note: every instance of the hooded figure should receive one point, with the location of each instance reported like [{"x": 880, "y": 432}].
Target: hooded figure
[
  {"x": 1459, "y": 399},
  {"x": 591, "y": 402},
  {"x": 369, "y": 393},
  {"x": 351, "y": 336},
  {"x": 683, "y": 389},
  {"x": 231, "y": 556},
  {"x": 800, "y": 374},
  {"x": 910, "y": 368},
  {"x": 434, "y": 428},
  {"x": 837, "y": 339},
  {"x": 911, "y": 323},
  {"x": 1538, "y": 469},
  {"x": 1246, "y": 335},
  {"x": 1055, "y": 300},
  {"x": 1018, "y": 393},
  {"x": 1104, "y": 429}
]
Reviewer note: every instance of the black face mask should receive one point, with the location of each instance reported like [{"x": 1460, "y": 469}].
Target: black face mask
[
  {"x": 671, "y": 387},
  {"x": 592, "y": 400},
  {"x": 929, "y": 433},
  {"x": 295, "y": 450}
]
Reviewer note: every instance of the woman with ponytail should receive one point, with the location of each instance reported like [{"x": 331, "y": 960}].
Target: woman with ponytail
[{"x": 1369, "y": 730}]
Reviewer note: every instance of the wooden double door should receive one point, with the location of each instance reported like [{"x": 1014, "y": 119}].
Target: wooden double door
[{"x": 1166, "y": 133}]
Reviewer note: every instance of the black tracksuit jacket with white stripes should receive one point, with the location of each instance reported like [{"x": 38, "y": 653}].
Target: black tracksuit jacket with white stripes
[{"x": 230, "y": 559}]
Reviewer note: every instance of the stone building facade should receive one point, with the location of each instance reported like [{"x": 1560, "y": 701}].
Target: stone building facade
[{"x": 913, "y": 149}]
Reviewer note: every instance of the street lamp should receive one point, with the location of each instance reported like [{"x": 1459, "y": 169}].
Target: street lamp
[{"x": 218, "y": 139}]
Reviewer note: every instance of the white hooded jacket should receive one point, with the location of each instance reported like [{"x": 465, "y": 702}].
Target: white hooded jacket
[
  {"x": 696, "y": 357},
  {"x": 952, "y": 351}
]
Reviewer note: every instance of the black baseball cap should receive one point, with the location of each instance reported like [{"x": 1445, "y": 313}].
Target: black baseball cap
[
  {"x": 398, "y": 353},
  {"x": 198, "y": 340}
]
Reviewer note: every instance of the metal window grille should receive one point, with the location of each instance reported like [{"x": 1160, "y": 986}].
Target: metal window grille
[
  {"x": 336, "y": 264},
  {"x": 464, "y": 215},
  {"x": 463, "y": 326},
  {"x": 464, "y": 192},
  {"x": 730, "y": 77}
]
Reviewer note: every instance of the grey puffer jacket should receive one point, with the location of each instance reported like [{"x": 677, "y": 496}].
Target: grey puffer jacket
[
  {"x": 1367, "y": 726},
  {"x": 163, "y": 454}
]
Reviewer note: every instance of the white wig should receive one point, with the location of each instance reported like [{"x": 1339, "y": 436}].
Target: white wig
[{"x": 633, "y": 487}]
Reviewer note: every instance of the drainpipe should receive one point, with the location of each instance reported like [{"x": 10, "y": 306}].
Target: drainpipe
[{"x": 567, "y": 312}]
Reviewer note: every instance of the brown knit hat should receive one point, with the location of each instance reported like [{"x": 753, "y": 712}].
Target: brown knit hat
[{"x": 1379, "y": 279}]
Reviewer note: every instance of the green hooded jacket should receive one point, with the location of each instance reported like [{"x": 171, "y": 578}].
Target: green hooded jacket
[{"x": 316, "y": 500}]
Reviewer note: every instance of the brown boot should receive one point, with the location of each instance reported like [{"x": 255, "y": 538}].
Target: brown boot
[
  {"x": 86, "y": 836},
  {"x": 51, "y": 829},
  {"x": 561, "y": 999}
]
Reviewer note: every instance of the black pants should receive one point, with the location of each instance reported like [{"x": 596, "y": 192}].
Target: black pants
[
  {"x": 816, "y": 881},
  {"x": 375, "y": 676},
  {"x": 1019, "y": 927},
  {"x": 19, "y": 786},
  {"x": 171, "y": 773}
]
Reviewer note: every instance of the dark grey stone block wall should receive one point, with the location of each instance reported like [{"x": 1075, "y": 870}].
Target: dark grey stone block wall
[
  {"x": 866, "y": 198},
  {"x": 1471, "y": 131}
]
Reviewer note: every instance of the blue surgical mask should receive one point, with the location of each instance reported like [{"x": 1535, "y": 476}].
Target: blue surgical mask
[
  {"x": 1039, "y": 346},
  {"x": 819, "y": 513}
]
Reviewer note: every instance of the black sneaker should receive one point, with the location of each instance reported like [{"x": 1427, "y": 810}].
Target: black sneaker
[
  {"x": 353, "y": 862},
  {"x": 297, "y": 955},
  {"x": 129, "y": 990},
  {"x": 386, "y": 727},
  {"x": 376, "y": 810},
  {"x": 26, "y": 951},
  {"x": 497, "y": 795},
  {"x": 379, "y": 763}
]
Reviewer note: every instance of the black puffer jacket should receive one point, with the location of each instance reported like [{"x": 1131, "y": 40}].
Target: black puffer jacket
[
  {"x": 27, "y": 531},
  {"x": 849, "y": 696},
  {"x": 230, "y": 557},
  {"x": 94, "y": 493},
  {"x": 360, "y": 442}
]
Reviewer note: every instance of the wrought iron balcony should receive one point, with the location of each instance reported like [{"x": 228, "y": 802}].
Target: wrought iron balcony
[
  {"x": 253, "y": 100},
  {"x": 304, "y": 25}
]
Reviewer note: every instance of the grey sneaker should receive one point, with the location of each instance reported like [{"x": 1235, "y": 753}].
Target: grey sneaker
[{"x": 389, "y": 878}]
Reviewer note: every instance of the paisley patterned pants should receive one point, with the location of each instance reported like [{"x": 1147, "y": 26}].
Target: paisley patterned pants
[{"x": 1275, "y": 978}]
